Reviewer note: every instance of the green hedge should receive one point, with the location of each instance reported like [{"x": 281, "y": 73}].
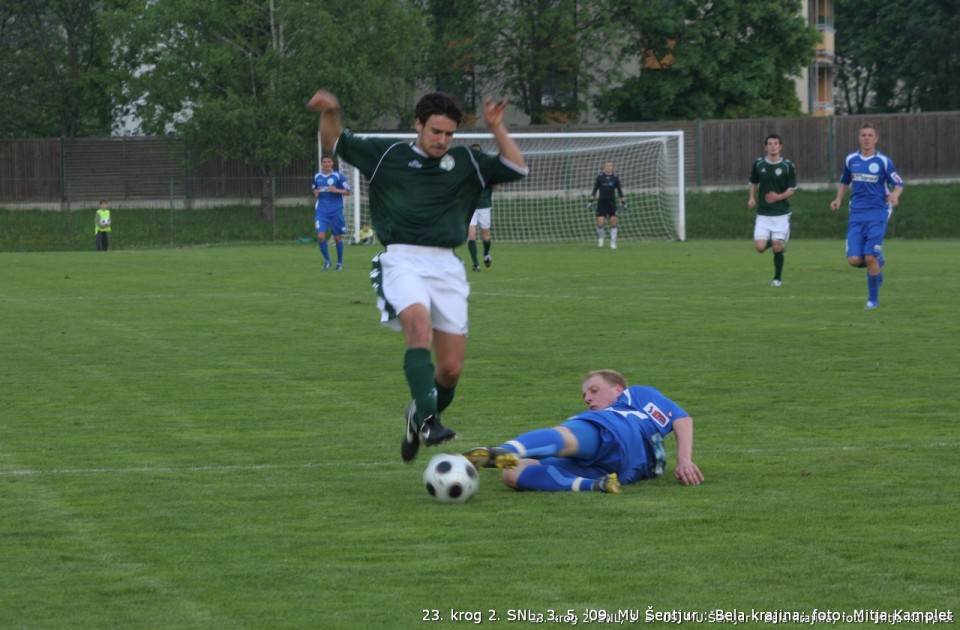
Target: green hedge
[{"x": 925, "y": 211}]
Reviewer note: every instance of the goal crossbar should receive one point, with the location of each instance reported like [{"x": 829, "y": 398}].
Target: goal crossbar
[{"x": 552, "y": 203}]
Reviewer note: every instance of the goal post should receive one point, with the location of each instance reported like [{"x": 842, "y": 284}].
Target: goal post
[{"x": 551, "y": 204}]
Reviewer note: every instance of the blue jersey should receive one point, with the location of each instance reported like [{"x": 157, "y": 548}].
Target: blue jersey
[
  {"x": 329, "y": 203},
  {"x": 638, "y": 414},
  {"x": 870, "y": 179}
]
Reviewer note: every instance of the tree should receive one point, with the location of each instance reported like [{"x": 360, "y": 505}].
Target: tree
[
  {"x": 539, "y": 53},
  {"x": 232, "y": 77},
  {"x": 898, "y": 56},
  {"x": 709, "y": 59},
  {"x": 57, "y": 77}
]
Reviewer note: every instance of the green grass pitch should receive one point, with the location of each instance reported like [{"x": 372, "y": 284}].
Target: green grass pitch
[{"x": 209, "y": 438}]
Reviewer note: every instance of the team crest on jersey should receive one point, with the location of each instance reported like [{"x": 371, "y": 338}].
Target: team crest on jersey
[
  {"x": 656, "y": 415},
  {"x": 874, "y": 167},
  {"x": 779, "y": 171},
  {"x": 447, "y": 162}
]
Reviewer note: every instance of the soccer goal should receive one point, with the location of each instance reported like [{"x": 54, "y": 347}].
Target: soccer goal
[{"x": 551, "y": 204}]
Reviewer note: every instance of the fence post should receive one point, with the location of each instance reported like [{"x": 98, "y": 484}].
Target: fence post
[
  {"x": 699, "y": 142},
  {"x": 831, "y": 150},
  {"x": 173, "y": 237}
]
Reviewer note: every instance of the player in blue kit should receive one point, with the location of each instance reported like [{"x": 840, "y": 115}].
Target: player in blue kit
[
  {"x": 330, "y": 187},
  {"x": 618, "y": 441},
  {"x": 875, "y": 191},
  {"x": 422, "y": 195}
]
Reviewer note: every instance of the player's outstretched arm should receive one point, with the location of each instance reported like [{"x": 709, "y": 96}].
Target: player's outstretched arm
[
  {"x": 329, "y": 107},
  {"x": 687, "y": 472},
  {"x": 493, "y": 114}
]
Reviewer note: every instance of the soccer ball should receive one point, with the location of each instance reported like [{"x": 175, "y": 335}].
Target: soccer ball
[{"x": 451, "y": 478}]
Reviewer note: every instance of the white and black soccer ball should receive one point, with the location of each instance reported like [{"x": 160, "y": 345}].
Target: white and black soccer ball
[{"x": 451, "y": 478}]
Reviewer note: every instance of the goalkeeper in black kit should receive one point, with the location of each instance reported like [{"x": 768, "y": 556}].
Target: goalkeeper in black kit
[{"x": 607, "y": 185}]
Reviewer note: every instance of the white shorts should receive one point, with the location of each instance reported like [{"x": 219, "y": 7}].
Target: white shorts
[
  {"x": 405, "y": 275},
  {"x": 772, "y": 228},
  {"x": 481, "y": 217}
]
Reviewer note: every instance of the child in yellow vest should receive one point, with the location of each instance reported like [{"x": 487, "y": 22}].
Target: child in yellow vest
[{"x": 102, "y": 227}]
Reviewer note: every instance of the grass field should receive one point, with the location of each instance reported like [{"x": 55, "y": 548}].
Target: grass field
[{"x": 209, "y": 438}]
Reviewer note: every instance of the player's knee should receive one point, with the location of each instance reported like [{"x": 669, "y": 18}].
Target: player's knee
[
  {"x": 448, "y": 371},
  {"x": 509, "y": 477},
  {"x": 855, "y": 261}
]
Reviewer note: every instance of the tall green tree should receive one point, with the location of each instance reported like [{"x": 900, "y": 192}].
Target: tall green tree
[
  {"x": 897, "y": 56},
  {"x": 232, "y": 77},
  {"x": 454, "y": 50},
  {"x": 710, "y": 59},
  {"x": 57, "y": 76},
  {"x": 540, "y": 53}
]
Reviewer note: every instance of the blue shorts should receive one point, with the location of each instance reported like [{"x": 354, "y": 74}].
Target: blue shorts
[
  {"x": 333, "y": 222},
  {"x": 604, "y": 452},
  {"x": 865, "y": 238}
]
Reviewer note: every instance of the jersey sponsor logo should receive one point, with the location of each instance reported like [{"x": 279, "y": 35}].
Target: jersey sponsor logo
[
  {"x": 447, "y": 162},
  {"x": 866, "y": 178},
  {"x": 658, "y": 416}
]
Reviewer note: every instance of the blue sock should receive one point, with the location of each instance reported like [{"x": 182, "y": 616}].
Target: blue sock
[
  {"x": 339, "y": 251},
  {"x": 550, "y": 479},
  {"x": 538, "y": 444},
  {"x": 325, "y": 250},
  {"x": 873, "y": 287}
]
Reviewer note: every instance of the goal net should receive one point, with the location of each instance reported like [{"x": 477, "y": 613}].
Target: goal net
[{"x": 551, "y": 203}]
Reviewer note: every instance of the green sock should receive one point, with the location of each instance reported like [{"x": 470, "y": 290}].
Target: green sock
[
  {"x": 472, "y": 246},
  {"x": 444, "y": 396},
  {"x": 418, "y": 368}
]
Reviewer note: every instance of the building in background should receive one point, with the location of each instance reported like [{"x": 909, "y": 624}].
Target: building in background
[{"x": 815, "y": 86}]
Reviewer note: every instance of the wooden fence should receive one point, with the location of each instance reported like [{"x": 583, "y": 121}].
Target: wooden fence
[{"x": 924, "y": 146}]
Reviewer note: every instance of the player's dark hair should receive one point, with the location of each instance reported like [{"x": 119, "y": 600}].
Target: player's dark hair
[
  {"x": 774, "y": 137},
  {"x": 438, "y": 103}
]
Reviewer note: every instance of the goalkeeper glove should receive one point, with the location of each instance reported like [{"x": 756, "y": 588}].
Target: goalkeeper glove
[
  {"x": 590, "y": 206},
  {"x": 623, "y": 205}
]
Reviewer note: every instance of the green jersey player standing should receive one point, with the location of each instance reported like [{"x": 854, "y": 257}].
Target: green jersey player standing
[
  {"x": 775, "y": 177},
  {"x": 422, "y": 195}
]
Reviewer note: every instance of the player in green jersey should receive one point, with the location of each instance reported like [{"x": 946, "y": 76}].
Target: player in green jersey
[
  {"x": 481, "y": 219},
  {"x": 422, "y": 195},
  {"x": 775, "y": 177}
]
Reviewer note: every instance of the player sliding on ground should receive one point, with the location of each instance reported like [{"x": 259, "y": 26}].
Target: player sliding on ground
[
  {"x": 618, "y": 441},
  {"x": 422, "y": 195}
]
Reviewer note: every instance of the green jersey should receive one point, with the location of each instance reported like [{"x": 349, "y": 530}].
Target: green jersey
[
  {"x": 486, "y": 198},
  {"x": 419, "y": 200},
  {"x": 778, "y": 177}
]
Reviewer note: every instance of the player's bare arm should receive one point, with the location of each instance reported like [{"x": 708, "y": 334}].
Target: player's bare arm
[
  {"x": 686, "y": 471},
  {"x": 773, "y": 197},
  {"x": 493, "y": 114},
  {"x": 893, "y": 197},
  {"x": 841, "y": 191},
  {"x": 329, "y": 107}
]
